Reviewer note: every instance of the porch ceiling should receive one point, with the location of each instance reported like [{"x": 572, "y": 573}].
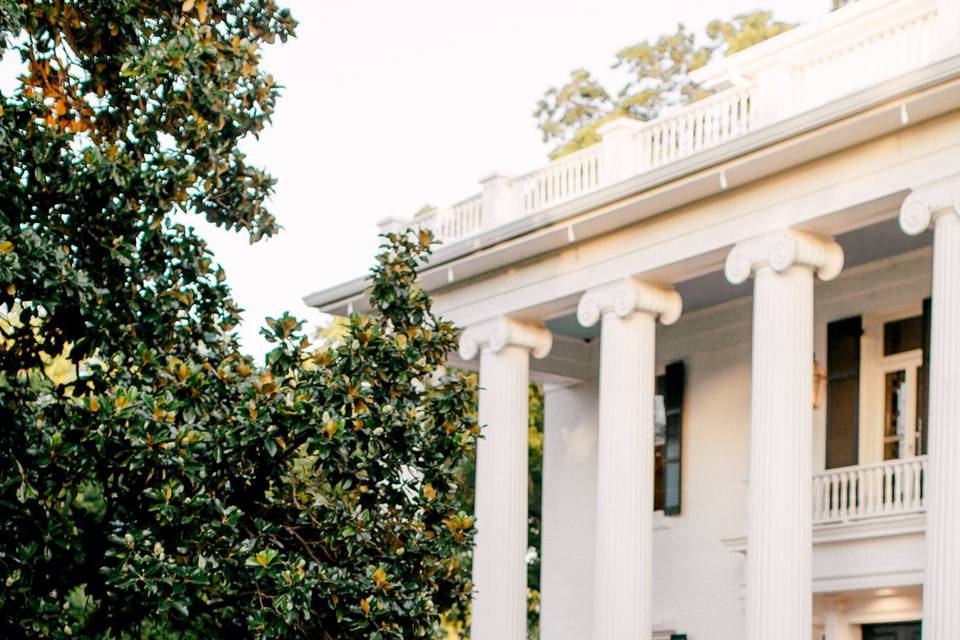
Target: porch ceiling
[{"x": 860, "y": 246}]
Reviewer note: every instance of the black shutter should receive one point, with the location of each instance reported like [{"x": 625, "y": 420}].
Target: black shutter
[
  {"x": 843, "y": 392},
  {"x": 923, "y": 380},
  {"x": 673, "y": 383}
]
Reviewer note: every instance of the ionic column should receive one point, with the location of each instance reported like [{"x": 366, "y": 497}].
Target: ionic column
[
  {"x": 624, "y": 536},
  {"x": 499, "y": 609},
  {"x": 779, "y": 548},
  {"x": 939, "y": 206}
]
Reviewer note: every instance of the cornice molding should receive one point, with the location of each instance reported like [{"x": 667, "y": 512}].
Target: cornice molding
[
  {"x": 780, "y": 251},
  {"x": 626, "y": 296},
  {"x": 502, "y": 332},
  {"x": 926, "y": 204}
]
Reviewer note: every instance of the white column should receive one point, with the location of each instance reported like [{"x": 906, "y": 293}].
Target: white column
[
  {"x": 623, "y": 602},
  {"x": 499, "y": 609},
  {"x": 779, "y": 548},
  {"x": 939, "y": 206}
]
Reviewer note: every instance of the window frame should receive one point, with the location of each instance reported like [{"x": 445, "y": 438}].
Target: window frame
[{"x": 874, "y": 366}]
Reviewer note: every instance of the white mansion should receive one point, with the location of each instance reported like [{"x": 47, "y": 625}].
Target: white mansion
[{"x": 746, "y": 318}]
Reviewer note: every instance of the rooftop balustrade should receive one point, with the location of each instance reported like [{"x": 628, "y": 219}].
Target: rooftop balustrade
[{"x": 859, "y": 46}]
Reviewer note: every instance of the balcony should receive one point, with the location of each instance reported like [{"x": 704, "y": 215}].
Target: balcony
[
  {"x": 882, "y": 489},
  {"x": 853, "y": 49},
  {"x": 868, "y": 526}
]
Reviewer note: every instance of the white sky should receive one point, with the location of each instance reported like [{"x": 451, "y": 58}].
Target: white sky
[{"x": 391, "y": 105}]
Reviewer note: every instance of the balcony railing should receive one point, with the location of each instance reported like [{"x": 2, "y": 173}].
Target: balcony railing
[
  {"x": 893, "y": 487},
  {"x": 696, "y": 127},
  {"x": 858, "y": 46},
  {"x": 559, "y": 181},
  {"x": 452, "y": 223}
]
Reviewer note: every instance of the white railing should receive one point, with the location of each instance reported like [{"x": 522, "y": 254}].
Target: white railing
[
  {"x": 881, "y": 489},
  {"x": 559, "y": 181},
  {"x": 860, "y": 45},
  {"x": 696, "y": 127},
  {"x": 452, "y": 223}
]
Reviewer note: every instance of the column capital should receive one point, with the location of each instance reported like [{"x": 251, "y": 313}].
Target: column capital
[
  {"x": 781, "y": 250},
  {"x": 626, "y": 296},
  {"x": 925, "y": 204},
  {"x": 502, "y": 332}
]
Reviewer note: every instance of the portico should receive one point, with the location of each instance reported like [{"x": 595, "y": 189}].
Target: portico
[
  {"x": 802, "y": 477},
  {"x": 783, "y": 452}
]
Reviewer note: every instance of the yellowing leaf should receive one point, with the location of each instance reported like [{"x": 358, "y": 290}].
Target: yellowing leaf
[
  {"x": 202, "y": 10},
  {"x": 267, "y": 385},
  {"x": 429, "y": 492},
  {"x": 6, "y": 247},
  {"x": 365, "y": 607},
  {"x": 330, "y": 429},
  {"x": 94, "y": 404},
  {"x": 187, "y": 6},
  {"x": 380, "y": 578}
]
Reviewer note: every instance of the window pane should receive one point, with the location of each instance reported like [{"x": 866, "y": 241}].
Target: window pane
[
  {"x": 895, "y": 413},
  {"x": 903, "y": 335},
  {"x": 921, "y": 444},
  {"x": 659, "y": 420},
  {"x": 659, "y": 455}
]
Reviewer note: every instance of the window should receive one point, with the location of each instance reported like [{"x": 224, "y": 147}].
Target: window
[
  {"x": 668, "y": 432},
  {"x": 876, "y": 392},
  {"x": 901, "y": 368},
  {"x": 659, "y": 446}
]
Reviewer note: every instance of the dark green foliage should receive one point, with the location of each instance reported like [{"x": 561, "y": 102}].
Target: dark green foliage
[
  {"x": 153, "y": 481},
  {"x": 535, "y": 509}
]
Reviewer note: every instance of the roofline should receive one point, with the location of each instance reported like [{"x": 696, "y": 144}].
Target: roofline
[
  {"x": 818, "y": 34},
  {"x": 351, "y": 294}
]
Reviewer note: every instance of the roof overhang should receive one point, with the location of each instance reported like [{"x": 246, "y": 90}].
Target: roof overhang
[{"x": 861, "y": 116}]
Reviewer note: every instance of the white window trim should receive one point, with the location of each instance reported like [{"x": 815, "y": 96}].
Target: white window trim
[{"x": 873, "y": 368}]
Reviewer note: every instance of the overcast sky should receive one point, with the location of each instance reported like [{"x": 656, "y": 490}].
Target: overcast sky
[{"x": 391, "y": 105}]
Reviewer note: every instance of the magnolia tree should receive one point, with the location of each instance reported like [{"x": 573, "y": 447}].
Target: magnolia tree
[{"x": 154, "y": 482}]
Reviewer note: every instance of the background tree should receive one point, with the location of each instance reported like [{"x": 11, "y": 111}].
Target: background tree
[
  {"x": 153, "y": 481},
  {"x": 655, "y": 78},
  {"x": 574, "y": 108}
]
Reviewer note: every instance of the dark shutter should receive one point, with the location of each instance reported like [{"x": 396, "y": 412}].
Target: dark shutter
[
  {"x": 923, "y": 380},
  {"x": 673, "y": 383},
  {"x": 843, "y": 392}
]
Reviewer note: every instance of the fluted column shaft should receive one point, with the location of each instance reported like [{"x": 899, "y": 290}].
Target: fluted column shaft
[
  {"x": 624, "y": 555},
  {"x": 939, "y": 206},
  {"x": 941, "y": 593},
  {"x": 499, "y": 608},
  {"x": 623, "y": 582},
  {"x": 499, "y": 560},
  {"x": 781, "y": 432},
  {"x": 779, "y": 547}
]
